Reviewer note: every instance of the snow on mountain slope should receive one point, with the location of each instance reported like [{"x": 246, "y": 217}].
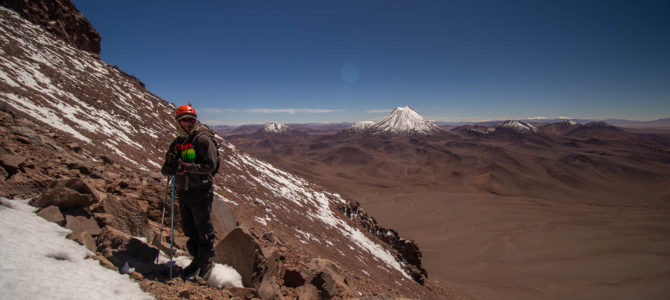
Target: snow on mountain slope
[
  {"x": 275, "y": 128},
  {"x": 318, "y": 207},
  {"x": 405, "y": 121},
  {"x": 110, "y": 113},
  {"x": 71, "y": 90},
  {"x": 360, "y": 126},
  {"x": 518, "y": 126}
]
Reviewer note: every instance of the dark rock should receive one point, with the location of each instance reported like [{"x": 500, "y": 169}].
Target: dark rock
[
  {"x": 106, "y": 160},
  {"x": 52, "y": 214},
  {"x": 74, "y": 147},
  {"x": 293, "y": 278},
  {"x": 68, "y": 193},
  {"x": 84, "y": 167},
  {"x": 12, "y": 163},
  {"x": 139, "y": 248},
  {"x": 125, "y": 214},
  {"x": 241, "y": 251},
  {"x": 325, "y": 284},
  {"x": 5, "y": 108},
  {"x": 121, "y": 248},
  {"x": 328, "y": 277},
  {"x": 23, "y": 131},
  {"x": 79, "y": 224},
  {"x": 186, "y": 294},
  {"x": 61, "y": 18}
]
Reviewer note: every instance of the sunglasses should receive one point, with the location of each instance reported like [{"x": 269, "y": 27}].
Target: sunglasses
[{"x": 187, "y": 120}]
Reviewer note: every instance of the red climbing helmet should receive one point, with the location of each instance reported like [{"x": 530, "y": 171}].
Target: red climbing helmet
[{"x": 185, "y": 111}]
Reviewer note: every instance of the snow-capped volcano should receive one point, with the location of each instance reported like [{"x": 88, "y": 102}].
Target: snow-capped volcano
[
  {"x": 360, "y": 126},
  {"x": 275, "y": 127},
  {"x": 405, "y": 121},
  {"x": 518, "y": 126}
]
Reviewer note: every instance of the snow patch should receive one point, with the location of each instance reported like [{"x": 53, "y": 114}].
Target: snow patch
[
  {"x": 518, "y": 126},
  {"x": 275, "y": 127},
  {"x": 35, "y": 255}
]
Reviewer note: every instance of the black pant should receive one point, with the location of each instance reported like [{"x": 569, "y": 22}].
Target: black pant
[{"x": 196, "y": 206}]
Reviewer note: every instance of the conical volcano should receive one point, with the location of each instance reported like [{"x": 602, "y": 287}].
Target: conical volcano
[{"x": 405, "y": 121}]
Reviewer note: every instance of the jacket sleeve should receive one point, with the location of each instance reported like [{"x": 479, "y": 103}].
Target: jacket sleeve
[
  {"x": 205, "y": 148},
  {"x": 170, "y": 161}
]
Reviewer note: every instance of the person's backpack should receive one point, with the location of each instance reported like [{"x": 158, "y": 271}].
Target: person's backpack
[{"x": 216, "y": 145}]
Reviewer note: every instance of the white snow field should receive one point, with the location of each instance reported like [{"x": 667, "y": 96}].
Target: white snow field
[{"x": 38, "y": 262}]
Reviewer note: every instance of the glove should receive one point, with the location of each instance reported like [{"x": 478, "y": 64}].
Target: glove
[
  {"x": 179, "y": 166},
  {"x": 172, "y": 164}
]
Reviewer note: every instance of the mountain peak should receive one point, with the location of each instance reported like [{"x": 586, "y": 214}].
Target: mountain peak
[
  {"x": 405, "y": 121},
  {"x": 518, "y": 126},
  {"x": 275, "y": 127},
  {"x": 360, "y": 126}
]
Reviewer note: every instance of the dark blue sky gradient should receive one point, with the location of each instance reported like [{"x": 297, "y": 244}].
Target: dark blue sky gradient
[{"x": 330, "y": 61}]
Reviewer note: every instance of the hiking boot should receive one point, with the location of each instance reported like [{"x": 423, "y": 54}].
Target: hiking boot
[
  {"x": 206, "y": 268},
  {"x": 191, "y": 270}
]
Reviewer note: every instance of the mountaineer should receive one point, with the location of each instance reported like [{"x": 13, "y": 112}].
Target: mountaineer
[{"x": 193, "y": 159}]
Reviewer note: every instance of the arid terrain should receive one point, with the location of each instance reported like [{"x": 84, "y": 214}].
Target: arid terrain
[{"x": 570, "y": 211}]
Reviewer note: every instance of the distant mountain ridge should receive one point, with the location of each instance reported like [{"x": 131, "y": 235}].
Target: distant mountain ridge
[{"x": 660, "y": 123}]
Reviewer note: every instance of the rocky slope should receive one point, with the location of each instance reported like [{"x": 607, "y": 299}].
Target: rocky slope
[
  {"x": 78, "y": 129},
  {"x": 62, "y": 19}
]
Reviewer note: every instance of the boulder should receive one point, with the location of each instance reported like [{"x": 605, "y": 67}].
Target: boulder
[
  {"x": 241, "y": 251},
  {"x": 223, "y": 219},
  {"x": 68, "y": 193},
  {"x": 120, "y": 248},
  {"x": 82, "y": 223},
  {"x": 329, "y": 278},
  {"x": 52, "y": 214},
  {"x": 24, "y": 131},
  {"x": 74, "y": 147},
  {"x": 126, "y": 214},
  {"x": 12, "y": 163}
]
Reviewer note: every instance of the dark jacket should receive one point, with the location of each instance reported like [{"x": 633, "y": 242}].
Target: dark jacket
[{"x": 191, "y": 173}]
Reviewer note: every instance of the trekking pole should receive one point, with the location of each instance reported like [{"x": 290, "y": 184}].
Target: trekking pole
[
  {"x": 167, "y": 193},
  {"x": 172, "y": 224}
]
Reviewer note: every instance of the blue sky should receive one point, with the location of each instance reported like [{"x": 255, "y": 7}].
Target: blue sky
[{"x": 243, "y": 62}]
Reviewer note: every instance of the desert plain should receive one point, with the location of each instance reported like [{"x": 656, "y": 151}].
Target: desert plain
[{"x": 568, "y": 212}]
